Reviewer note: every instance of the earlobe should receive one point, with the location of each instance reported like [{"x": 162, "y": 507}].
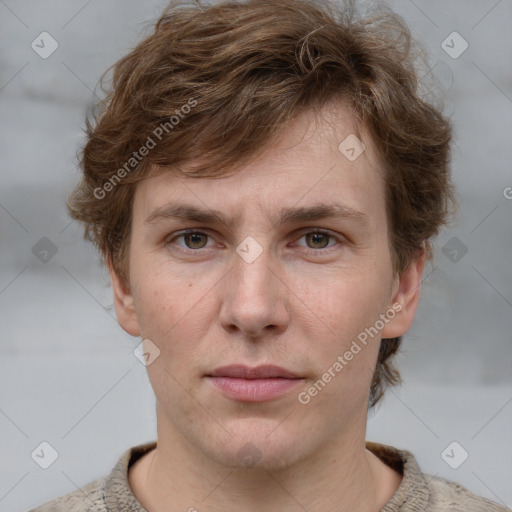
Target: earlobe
[
  {"x": 406, "y": 298},
  {"x": 124, "y": 304}
]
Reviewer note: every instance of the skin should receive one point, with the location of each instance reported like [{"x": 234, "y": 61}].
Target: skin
[{"x": 205, "y": 307}]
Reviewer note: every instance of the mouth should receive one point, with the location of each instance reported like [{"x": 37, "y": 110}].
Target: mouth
[{"x": 260, "y": 384}]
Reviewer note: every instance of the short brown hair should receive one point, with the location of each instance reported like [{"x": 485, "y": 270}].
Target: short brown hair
[{"x": 232, "y": 75}]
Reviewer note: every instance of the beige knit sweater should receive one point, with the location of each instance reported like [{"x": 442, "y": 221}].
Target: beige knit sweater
[{"x": 417, "y": 491}]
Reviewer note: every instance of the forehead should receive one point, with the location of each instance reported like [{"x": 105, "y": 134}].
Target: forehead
[{"x": 321, "y": 157}]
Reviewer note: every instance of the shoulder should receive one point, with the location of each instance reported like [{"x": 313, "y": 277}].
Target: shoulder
[
  {"x": 107, "y": 494},
  {"x": 448, "y": 495},
  {"x": 87, "y": 499},
  {"x": 420, "y": 492}
]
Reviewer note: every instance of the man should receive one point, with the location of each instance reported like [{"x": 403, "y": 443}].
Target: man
[{"x": 263, "y": 183}]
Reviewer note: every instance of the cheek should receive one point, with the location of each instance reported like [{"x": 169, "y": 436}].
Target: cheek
[
  {"x": 168, "y": 321},
  {"x": 174, "y": 312},
  {"x": 342, "y": 304},
  {"x": 161, "y": 297},
  {"x": 345, "y": 308}
]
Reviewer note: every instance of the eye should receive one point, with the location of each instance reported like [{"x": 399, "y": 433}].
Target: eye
[
  {"x": 193, "y": 240},
  {"x": 318, "y": 239}
]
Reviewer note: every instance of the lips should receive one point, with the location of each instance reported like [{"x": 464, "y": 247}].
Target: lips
[
  {"x": 260, "y": 384},
  {"x": 239, "y": 371}
]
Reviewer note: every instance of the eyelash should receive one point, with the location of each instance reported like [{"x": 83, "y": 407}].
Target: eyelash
[{"x": 307, "y": 250}]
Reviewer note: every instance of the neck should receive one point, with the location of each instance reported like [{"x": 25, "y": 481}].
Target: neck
[{"x": 342, "y": 476}]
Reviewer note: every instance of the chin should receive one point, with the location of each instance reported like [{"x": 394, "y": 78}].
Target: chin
[
  {"x": 250, "y": 456},
  {"x": 257, "y": 447}
]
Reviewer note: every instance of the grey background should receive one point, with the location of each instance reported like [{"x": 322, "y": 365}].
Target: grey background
[{"x": 67, "y": 372}]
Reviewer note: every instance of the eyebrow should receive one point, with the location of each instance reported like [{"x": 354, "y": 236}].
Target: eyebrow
[{"x": 286, "y": 215}]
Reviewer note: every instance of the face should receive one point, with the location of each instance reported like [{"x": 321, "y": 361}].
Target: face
[{"x": 254, "y": 286}]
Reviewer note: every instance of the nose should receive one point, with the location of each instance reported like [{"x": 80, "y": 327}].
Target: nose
[{"x": 254, "y": 297}]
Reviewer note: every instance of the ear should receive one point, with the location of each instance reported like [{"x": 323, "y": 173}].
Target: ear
[
  {"x": 123, "y": 302},
  {"x": 406, "y": 297}
]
